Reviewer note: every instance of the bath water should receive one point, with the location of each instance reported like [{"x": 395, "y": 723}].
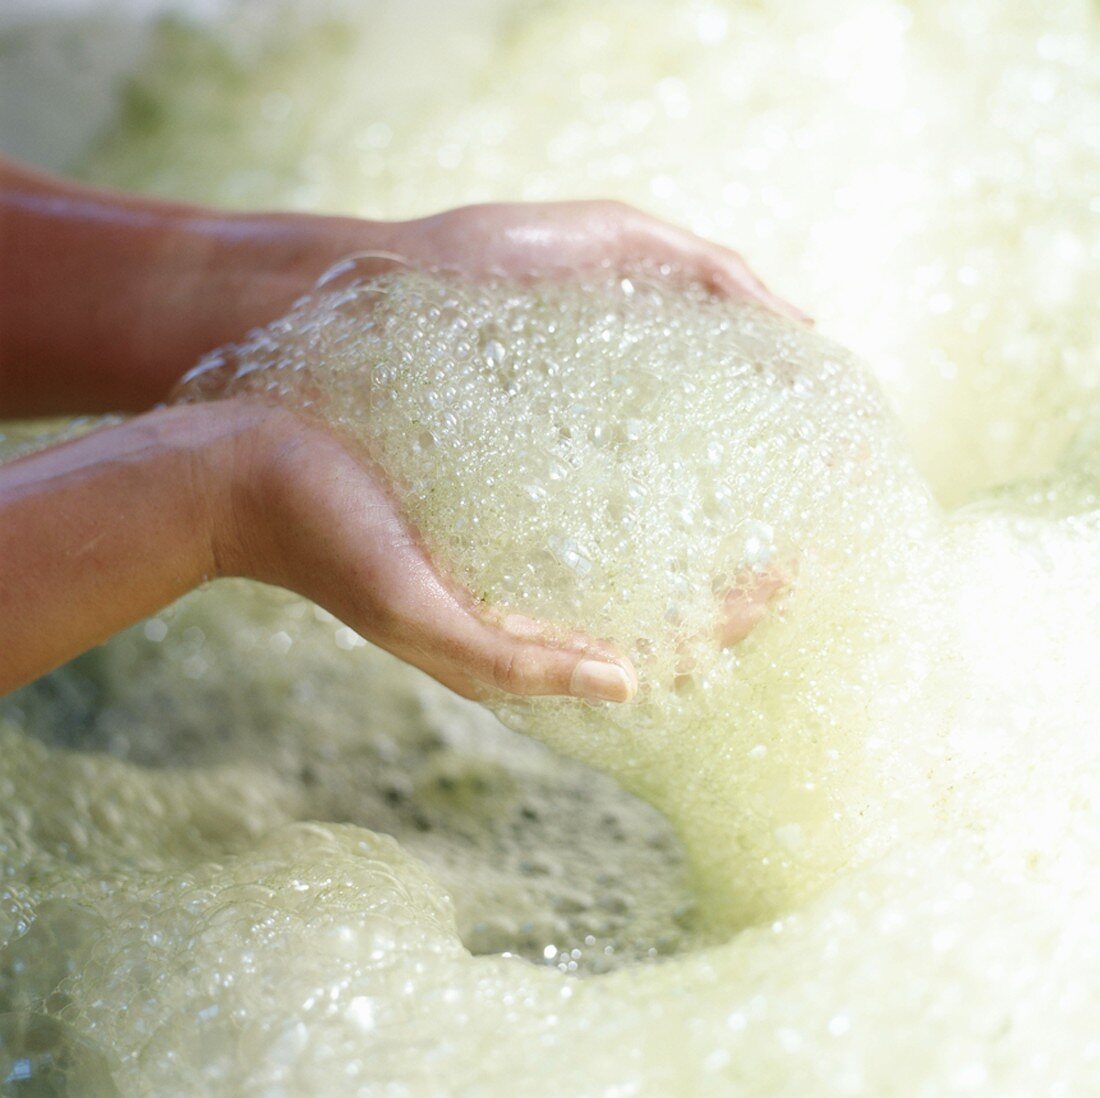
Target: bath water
[{"x": 857, "y": 853}]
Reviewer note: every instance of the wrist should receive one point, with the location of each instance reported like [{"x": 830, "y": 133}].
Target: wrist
[
  {"x": 215, "y": 276},
  {"x": 254, "y": 266},
  {"x": 219, "y": 448},
  {"x": 245, "y": 474}
]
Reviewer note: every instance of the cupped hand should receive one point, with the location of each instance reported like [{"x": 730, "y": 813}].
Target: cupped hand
[
  {"x": 130, "y": 523},
  {"x": 322, "y": 521},
  {"x": 560, "y": 240},
  {"x": 309, "y": 515}
]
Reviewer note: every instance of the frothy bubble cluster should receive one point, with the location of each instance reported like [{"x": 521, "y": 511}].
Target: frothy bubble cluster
[
  {"x": 642, "y": 462},
  {"x": 923, "y": 178}
]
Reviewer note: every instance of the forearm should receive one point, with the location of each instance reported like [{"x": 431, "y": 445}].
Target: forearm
[
  {"x": 106, "y": 299},
  {"x": 100, "y": 532}
]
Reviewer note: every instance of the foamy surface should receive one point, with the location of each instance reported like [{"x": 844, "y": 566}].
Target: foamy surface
[{"x": 244, "y": 852}]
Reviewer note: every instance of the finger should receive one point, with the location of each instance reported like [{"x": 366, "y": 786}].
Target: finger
[
  {"x": 441, "y": 631},
  {"x": 746, "y": 603},
  {"x": 731, "y": 277},
  {"x": 718, "y": 268},
  {"x": 518, "y": 627}
]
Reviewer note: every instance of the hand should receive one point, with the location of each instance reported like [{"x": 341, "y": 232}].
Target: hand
[
  {"x": 430, "y": 623},
  {"x": 176, "y": 281},
  {"x": 308, "y": 515},
  {"x": 136, "y": 514},
  {"x": 557, "y": 239}
]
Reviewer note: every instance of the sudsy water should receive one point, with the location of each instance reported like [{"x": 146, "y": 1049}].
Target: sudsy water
[{"x": 874, "y": 866}]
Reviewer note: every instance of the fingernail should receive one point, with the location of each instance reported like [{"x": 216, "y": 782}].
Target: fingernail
[{"x": 595, "y": 680}]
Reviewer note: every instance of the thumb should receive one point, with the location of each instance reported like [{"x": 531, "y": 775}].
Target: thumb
[{"x": 443, "y": 632}]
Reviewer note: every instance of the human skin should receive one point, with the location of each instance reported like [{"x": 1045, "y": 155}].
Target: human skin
[{"x": 106, "y": 299}]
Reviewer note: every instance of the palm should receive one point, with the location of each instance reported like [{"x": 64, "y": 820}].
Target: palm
[{"x": 339, "y": 538}]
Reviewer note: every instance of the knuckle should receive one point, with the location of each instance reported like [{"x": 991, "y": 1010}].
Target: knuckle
[
  {"x": 616, "y": 215},
  {"x": 504, "y": 671},
  {"x": 514, "y": 671}
]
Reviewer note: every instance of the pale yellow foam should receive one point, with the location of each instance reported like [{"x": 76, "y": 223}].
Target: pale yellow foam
[
  {"x": 623, "y": 457},
  {"x": 922, "y": 177}
]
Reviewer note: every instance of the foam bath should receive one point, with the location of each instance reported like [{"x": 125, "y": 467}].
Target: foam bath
[
  {"x": 629, "y": 458},
  {"x": 198, "y": 890}
]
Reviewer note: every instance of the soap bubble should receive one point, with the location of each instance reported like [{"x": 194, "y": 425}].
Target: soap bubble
[
  {"x": 912, "y": 768},
  {"x": 680, "y": 457}
]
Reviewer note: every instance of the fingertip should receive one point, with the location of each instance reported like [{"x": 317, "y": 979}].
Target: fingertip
[
  {"x": 607, "y": 681},
  {"x": 785, "y": 308},
  {"x": 739, "y": 281}
]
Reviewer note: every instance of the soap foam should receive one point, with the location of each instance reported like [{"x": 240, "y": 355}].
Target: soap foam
[
  {"x": 624, "y": 457},
  {"x": 922, "y": 177}
]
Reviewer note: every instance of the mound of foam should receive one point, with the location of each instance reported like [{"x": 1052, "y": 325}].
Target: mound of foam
[
  {"x": 947, "y": 231},
  {"x": 635, "y": 459}
]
